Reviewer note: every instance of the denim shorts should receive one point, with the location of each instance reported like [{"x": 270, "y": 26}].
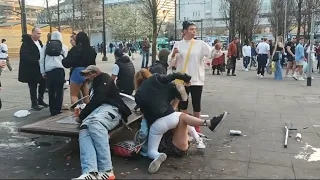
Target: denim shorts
[{"x": 76, "y": 76}]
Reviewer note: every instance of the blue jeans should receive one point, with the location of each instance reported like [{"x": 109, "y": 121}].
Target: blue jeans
[
  {"x": 278, "y": 73},
  {"x": 145, "y": 59},
  {"x": 246, "y": 61},
  {"x": 94, "y": 145}
]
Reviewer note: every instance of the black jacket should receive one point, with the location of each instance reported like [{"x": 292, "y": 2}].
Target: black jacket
[
  {"x": 29, "y": 68},
  {"x": 105, "y": 92},
  {"x": 80, "y": 56},
  {"x": 159, "y": 68},
  {"x": 125, "y": 76},
  {"x": 154, "y": 97}
]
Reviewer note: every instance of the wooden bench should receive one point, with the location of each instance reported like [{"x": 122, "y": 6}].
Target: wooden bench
[{"x": 64, "y": 124}]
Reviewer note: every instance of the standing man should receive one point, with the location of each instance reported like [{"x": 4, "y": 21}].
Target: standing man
[
  {"x": 145, "y": 47},
  {"x": 4, "y": 54},
  {"x": 290, "y": 49},
  {"x": 111, "y": 47},
  {"x": 29, "y": 68},
  {"x": 232, "y": 56},
  {"x": 123, "y": 72},
  {"x": 263, "y": 50},
  {"x": 300, "y": 58}
]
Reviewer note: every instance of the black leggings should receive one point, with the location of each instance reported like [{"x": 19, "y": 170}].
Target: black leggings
[
  {"x": 262, "y": 62},
  {"x": 196, "y": 92}
]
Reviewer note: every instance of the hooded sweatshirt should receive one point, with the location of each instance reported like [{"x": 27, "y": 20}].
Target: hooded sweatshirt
[{"x": 48, "y": 63}]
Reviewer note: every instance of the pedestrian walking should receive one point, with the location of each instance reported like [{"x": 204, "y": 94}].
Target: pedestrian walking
[
  {"x": 29, "y": 68},
  {"x": 145, "y": 47},
  {"x": 263, "y": 50},
  {"x": 253, "y": 56},
  {"x": 300, "y": 59},
  {"x": 232, "y": 56},
  {"x": 246, "y": 53},
  {"x": 4, "y": 54},
  {"x": 52, "y": 69},
  {"x": 218, "y": 57},
  {"x": 277, "y": 56},
  {"x": 290, "y": 49}
]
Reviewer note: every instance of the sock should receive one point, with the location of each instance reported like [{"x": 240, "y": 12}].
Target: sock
[
  {"x": 208, "y": 122},
  {"x": 192, "y": 131}
]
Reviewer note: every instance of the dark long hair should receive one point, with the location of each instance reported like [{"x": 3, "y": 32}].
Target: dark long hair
[{"x": 82, "y": 39}]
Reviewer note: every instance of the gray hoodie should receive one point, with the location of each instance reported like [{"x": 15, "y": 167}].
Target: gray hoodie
[{"x": 52, "y": 62}]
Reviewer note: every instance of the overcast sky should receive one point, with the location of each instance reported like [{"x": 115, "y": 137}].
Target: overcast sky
[{"x": 39, "y": 2}]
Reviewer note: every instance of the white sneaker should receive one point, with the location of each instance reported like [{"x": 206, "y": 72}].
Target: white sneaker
[
  {"x": 301, "y": 78},
  {"x": 85, "y": 176},
  {"x": 312, "y": 77},
  {"x": 246, "y": 70},
  {"x": 295, "y": 77},
  {"x": 258, "y": 75},
  {"x": 156, "y": 163},
  {"x": 200, "y": 144},
  {"x": 106, "y": 176},
  {"x": 261, "y": 76}
]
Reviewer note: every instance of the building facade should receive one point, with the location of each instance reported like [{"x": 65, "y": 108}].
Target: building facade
[{"x": 10, "y": 12}]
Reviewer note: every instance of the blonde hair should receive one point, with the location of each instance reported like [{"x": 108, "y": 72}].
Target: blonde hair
[{"x": 141, "y": 76}]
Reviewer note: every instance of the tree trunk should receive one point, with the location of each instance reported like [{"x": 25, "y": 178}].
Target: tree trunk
[
  {"x": 154, "y": 42},
  {"x": 299, "y": 18}
]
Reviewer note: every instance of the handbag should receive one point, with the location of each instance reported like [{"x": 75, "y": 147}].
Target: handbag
[
  {"x": 186, "y": 62},
  {"x": 230, "y": 65}
]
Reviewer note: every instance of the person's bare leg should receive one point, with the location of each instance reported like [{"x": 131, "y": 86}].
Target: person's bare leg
[
  {"x": 74, "y": 91},
  {"x": 85, "y": 92},
  {"x": 294, "y": 66},
  {"x": 288, "y": 68},
  {"x": 180, "y": 136},
  {"x": 197, "y": 114}
]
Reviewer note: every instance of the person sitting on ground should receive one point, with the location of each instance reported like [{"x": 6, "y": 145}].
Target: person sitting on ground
[
  {"x": 123, "y": 72},
  {"x": 52, "y": 69},
  {"x": 101, "y": 114},
  {"x": 154, "y": 96}
]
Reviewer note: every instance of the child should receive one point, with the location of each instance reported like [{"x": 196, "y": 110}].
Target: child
[{"x": 218, "y": 58}]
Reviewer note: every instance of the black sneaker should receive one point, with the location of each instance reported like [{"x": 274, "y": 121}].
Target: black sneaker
[
  {"x": 228, "y": 75},
  {"x": 36, "y": 107},
  {"x": 43, "y": 104},
  {"x": 234, "y": 75},
  {"x": 216, "y": 120}
]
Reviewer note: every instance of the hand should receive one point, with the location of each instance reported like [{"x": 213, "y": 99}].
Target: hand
[
  {"x": 187, "y": 84},
  {"x": 175, "y": 50},
  {"x": 78, "y": 120},
  {"x": 3, "y": 64},
  {"x": 44, "y": 76}
]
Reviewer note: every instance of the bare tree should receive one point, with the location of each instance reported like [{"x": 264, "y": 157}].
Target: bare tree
[
  {"x": 241, "y": 17},
  {"x": 49, "y": 15},
  {"x": 299, "y": 16},
  {"x": 156, "y": 12},
  {"x": 277, "y": 16}
]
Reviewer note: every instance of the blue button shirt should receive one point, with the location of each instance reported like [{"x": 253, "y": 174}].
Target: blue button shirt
[{"x": 299, "y": 52}]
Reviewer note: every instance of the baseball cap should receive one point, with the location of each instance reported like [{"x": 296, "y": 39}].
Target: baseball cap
[
  {"x": 118, "y": 53},
  {"x": 91, "y": 68}
]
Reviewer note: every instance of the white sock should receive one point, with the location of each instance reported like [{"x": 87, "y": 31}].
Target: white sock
[{"x": 192, "y": 131}]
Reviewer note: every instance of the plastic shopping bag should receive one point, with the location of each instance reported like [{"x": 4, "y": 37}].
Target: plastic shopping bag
[
  {"x": 273, "y": 66},
  {"x": 305, "y": 67}
]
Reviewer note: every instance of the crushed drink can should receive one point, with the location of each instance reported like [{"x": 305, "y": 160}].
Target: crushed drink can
[
  {"x": 298, "y": 137},
  {"x": 235, "y": 133}
]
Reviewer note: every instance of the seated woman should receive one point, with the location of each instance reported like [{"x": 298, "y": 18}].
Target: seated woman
[
  {"x": 101, "y": 114},
  {"x": 154, "y": 95}
]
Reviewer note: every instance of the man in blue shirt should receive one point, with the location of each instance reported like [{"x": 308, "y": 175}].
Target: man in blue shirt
[{"x": 300, "y": 59}]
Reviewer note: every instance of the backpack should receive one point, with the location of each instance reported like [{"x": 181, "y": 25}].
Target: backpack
[{"x": 54, "y": 48}]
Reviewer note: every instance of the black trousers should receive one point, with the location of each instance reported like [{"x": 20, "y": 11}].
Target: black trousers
[
  {"x": 33, "y": 91},
  {"x": 55, "y": 82},
  {"x": 234, "y": 62},
  {"x": 196, "y": 92},
  {"x": 262, "y": 62}
]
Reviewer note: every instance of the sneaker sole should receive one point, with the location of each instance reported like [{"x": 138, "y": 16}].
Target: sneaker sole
[
  {"x": 295, "y": 78},
  {"x": 223, "y": 118},
  {"x": 155, "y": 164}
]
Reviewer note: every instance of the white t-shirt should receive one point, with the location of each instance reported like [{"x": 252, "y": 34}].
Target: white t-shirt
[
  {"x": 263, "y": 48},
  {"x": 195, "y": 66},
  {"x": 3, "y": 47},
  {"x": 38, "y": 45},
  {"x": 246, "y": 51},
  {"x": 115, "y": 70}
]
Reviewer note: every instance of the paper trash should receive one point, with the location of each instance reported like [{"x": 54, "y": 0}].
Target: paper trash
[{"x": 21, "y": 113}]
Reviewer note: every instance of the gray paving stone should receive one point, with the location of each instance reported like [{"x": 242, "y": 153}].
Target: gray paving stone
[
  {"x": 227, "y": 167},
  {"x": 270, "y": 171},
  {"x": 239, "y": 154},
  {"x": 271, "y": 158},
  {"x": 306, "y": 173}
]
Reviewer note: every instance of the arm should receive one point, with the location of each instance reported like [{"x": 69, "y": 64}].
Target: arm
[
  {"x": 206, "y": 50},
  {"x": 229, "y": 50},
  {"x": 27, "y": 55},
  {"x": 42, "y": 59},
  {"x": 289, "y": 50},
  {"x": 115, "y": 72},
  {"x": 165, "y": 79},
  {"x": 71, "y": 58},
  {"x": 243, "y": 52}
]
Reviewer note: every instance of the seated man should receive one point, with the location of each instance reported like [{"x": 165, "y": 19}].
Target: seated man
[
  {"x": 101, "y": 114},
  {"x": 123, "y": 72}
]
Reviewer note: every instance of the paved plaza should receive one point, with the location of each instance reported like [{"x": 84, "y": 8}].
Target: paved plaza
[{"x": 258, "y": 107}]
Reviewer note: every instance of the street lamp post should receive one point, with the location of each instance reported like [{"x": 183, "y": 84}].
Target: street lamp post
[
  {"x": 310, "y": 61},
  {"x": 285, "y": 20},
  {"x": 104, "y": 48},
  {"x": 23, "y": 17},
  {"x": 175, "y": 20}
]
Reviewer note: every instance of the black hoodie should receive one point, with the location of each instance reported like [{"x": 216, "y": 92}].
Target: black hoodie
[
  {"x": 125, "y": 77},
  {"x": 29, "y": 68}
]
